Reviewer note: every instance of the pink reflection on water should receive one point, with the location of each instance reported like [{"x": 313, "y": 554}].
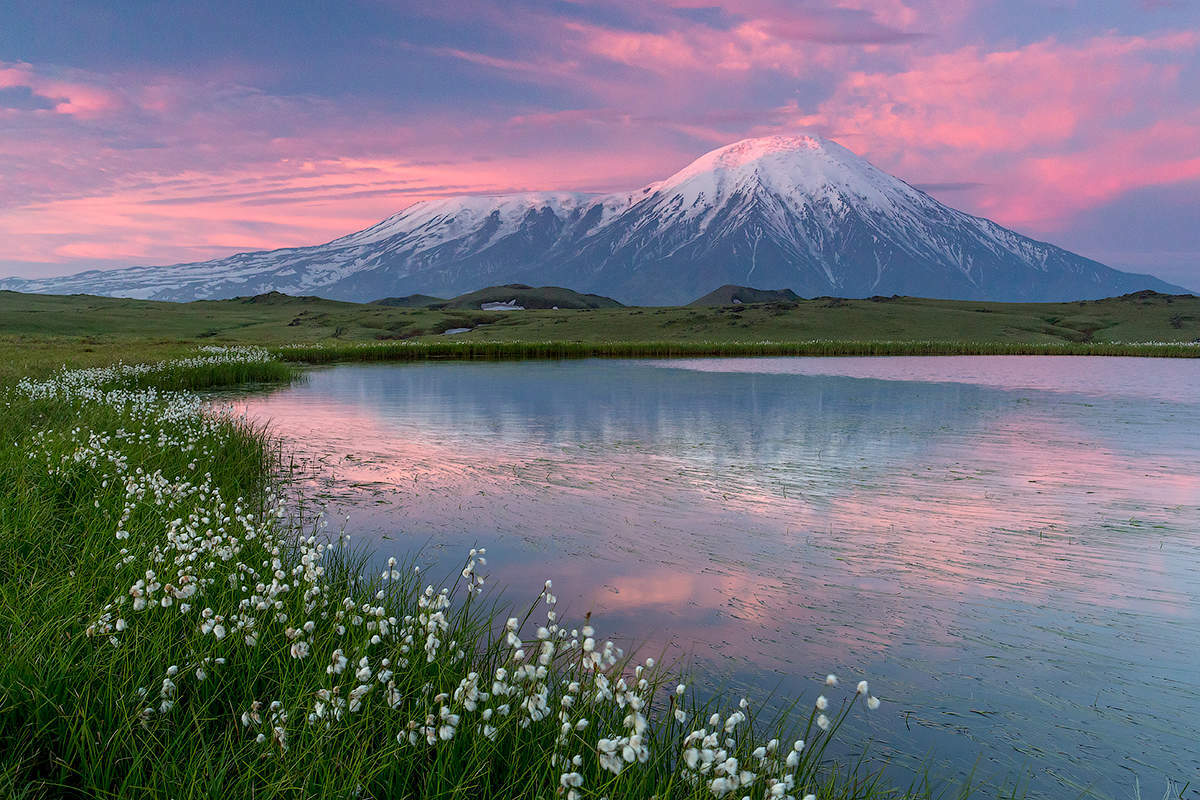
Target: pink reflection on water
[
  {"x": 1008, "y": 550},
  {"x": 681, "y": 553}
]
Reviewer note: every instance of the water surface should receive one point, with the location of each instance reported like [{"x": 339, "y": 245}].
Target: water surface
[{"x": 1008, "y": 547}]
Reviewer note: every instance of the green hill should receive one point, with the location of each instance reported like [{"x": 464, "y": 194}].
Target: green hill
[
  {"x": 411, "y": 301},
  {"x": 543, "y": 297},
  {"x": 731, "y": 295},
  {"x": 516, "y": 294}
]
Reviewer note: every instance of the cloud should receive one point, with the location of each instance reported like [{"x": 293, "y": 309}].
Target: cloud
[
  {"x": 23, "y": 98},
  {"x": 151, "y": 166},
  {"x": 56, "y": 95},
  {"x": 950, "y": 186},
  {"x": 1042, "y": 131}
]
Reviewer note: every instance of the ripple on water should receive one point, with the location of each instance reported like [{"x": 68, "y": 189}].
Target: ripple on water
[{"x": 1008, "y": 546}]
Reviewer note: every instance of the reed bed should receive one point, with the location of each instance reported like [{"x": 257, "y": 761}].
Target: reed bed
[
  {"x": 324, "y": 353},
  {"x": 172, "y": 629}
]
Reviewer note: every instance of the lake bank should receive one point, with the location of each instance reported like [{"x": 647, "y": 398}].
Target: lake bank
[{"x": 173, "y": 631}]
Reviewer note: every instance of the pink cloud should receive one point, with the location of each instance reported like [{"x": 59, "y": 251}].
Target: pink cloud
[
  {"x": 1047, "y": 129},
  {"x": 150, "y": 168},
  {"x": 68, "y": 97},
  {"x": 197, "y": 200}
]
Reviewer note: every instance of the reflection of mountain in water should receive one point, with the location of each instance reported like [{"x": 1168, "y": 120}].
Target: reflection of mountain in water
[
  {"x": 971, "y": 547},
  {"x": 711, "y": 416}
]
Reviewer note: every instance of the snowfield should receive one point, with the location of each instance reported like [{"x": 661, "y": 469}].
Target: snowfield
[{"x": 798, "y": 212}]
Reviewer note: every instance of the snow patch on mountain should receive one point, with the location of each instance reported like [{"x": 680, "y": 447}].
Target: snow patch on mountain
[{"x": 797, "y": 211}]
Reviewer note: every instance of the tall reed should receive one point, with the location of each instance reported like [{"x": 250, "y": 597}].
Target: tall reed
[{"x": 323, "y": 353}]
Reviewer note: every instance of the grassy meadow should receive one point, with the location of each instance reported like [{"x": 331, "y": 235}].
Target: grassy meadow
[
  {"x": 40, "y": 332},
  {"x": 171, "y": 629}
]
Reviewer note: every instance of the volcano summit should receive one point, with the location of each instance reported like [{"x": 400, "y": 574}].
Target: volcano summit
[{"x": 800, "y": 212}]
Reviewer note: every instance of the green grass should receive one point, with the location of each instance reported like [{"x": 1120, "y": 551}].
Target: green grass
[
  {"x": 113, "y": 487},
  {"x": 483, "y": 349},
  {"x": 116, "y": 451},
  {"x": 40, "y": 332}
]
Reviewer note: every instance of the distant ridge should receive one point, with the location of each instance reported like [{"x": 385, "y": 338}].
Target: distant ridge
[
  {"x": 797, "y": 211},
  {"x": 730, "y": 295},
  {"x": 410, "y": 301},
  {"x": 517, "y": 293}
]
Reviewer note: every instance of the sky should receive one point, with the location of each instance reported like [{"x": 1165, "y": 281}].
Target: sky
[{"x": 155, "y": 133}]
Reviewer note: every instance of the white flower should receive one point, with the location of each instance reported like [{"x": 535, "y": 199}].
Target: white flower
[
  {"x": 823, "y": 722},
  {"x": 721, "y": 786},
  {"x": 822, "y": 703},
  {"x": 872, "y": 702},
  {"x": 300, "y": 649},
  {"x": 831, "y": 680},
  {"x": 862, "y": 687}
]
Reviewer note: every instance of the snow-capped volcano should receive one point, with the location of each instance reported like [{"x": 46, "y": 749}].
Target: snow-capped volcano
[{"x": 798, "y": 212}]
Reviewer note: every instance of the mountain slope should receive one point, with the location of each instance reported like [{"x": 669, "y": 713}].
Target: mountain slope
[{"x": 801, "y": 212}]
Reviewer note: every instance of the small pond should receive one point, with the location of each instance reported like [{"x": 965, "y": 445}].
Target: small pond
[{"x": 1008, "y": 547}]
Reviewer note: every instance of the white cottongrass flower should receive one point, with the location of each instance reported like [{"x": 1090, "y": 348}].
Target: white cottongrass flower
[{"x": 252, "y": 581}]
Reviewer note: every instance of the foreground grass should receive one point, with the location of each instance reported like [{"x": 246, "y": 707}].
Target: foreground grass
[
  {"x": 169, "y": 631},
  {"x": 39, "y": 330}
]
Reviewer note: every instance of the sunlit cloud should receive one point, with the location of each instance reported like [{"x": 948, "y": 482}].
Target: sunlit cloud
[{"x": 1043, "y": 131}]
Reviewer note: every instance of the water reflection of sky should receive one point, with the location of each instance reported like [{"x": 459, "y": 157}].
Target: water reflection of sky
[{"x": 1009, "y": 547}]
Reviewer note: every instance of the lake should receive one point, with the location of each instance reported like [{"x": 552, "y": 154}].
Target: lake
[{"x": 1007, "y": 547}]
